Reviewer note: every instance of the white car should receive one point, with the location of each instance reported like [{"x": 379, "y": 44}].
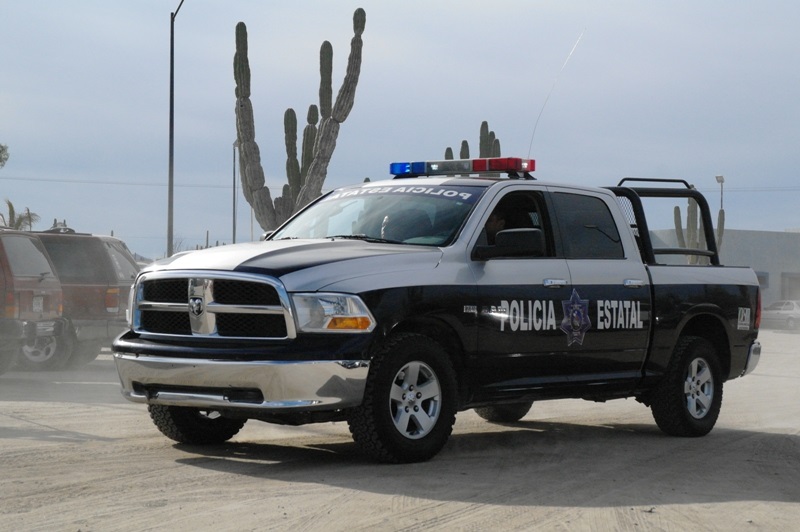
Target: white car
[{"x": 782, "y": 315}]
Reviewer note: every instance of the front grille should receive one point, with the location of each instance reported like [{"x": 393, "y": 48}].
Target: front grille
[
  {"x": 166, "y": 291},
  {"x": 166, "y": 322},
  {"x": 212, "y": 304},
  {"x": 251, "y": 325}
]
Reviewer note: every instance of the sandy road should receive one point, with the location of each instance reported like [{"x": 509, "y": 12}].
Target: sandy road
[{"x": 75, "y": 456}]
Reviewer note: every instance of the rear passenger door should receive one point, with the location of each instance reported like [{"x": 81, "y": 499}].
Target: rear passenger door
[{"x": 607, "y": 313}]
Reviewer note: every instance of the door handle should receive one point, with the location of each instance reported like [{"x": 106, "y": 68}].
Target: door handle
[
  {"x": 633, "y": 283},
  {"x": 554, "y": 283}
]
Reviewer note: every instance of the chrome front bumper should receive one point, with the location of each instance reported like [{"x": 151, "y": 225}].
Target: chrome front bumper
[{"x": 266, "y": 386}]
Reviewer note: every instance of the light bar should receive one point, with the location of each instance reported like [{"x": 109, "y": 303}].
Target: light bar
[{"x": 462, "y": 166}]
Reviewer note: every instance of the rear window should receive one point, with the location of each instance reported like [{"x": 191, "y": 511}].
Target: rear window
[
  {"x": 26, "y": 256},
  {"x": 77, "y": 260}
]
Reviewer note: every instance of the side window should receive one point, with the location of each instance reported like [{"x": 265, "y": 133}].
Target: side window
[
  {"x": 587, "y": 227},
  {"x": 519, "y": 210},
  {"x": 124, "y": 266}
]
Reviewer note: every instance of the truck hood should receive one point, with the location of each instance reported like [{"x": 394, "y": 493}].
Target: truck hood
[{"x": 307, "y": 264}]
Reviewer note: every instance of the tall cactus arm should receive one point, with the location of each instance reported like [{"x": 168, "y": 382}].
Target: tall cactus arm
[
  {"x": 256, "y": 194},
  {"x": 464, "y": 153},
  {"x": 325, "y": 79},
  {"x": 676, "y": 214},
  {"x": 347, "y": 92},
  {"x": 292, "y": 164},
  {"x": 309, "y": 139},
  {"x": 329, "y": 127}
]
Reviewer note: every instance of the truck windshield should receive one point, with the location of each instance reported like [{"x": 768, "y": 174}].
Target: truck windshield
[{"x": 421, "y": 214}]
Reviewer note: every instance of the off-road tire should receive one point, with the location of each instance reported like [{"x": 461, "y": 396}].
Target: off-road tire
[
  {"x": 194, "y": 426},
  {"x": 505, "y": 413},
  {"x": 410, "y": 401},
  {"x": 687, "y": 401}
]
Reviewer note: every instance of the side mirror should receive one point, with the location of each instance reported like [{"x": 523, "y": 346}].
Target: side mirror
[{"x": 513, "y": 243}]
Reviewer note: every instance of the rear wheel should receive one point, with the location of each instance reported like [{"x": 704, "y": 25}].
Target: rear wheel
[
  {"x": 410, "y": 401},
  {"x": 687, "y": 401},
  {"x": 45, "y": 353},
  {"x": 506, "y": 413},
  {"x": 192, "y": 425}
]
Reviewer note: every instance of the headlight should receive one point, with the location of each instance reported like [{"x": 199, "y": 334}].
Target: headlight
[{"x": 332, "y": 313}]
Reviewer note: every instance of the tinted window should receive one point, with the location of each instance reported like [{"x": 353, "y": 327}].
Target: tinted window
[
  {"x": 77, "y": 260},
  {"x": 587, "y": 227},
  {"x": 519, "y": 210},
  {"x": 26, "y": 256}
]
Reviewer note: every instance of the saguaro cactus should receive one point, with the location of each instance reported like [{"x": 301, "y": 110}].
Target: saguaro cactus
[
  {"x": 488, "y": 145},
  {"x": 694, "y": 237},
  {"x": 329, "y": 125},
  {"x": 306, "y": 176}
]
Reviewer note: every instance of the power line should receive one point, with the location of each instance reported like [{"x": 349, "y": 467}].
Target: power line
[{"x": 118, "y": 183}]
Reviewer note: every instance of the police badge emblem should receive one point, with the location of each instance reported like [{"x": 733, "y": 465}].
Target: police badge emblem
[{"x": 576, "y": 318}]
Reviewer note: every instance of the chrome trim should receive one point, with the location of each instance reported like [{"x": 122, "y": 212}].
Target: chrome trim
[
  {"x": 201, "y": 286},
  {"x": 285, "y": 385},
  {"x": 752, "y": 358}
]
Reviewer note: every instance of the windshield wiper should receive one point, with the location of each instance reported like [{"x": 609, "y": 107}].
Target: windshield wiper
[{"x": 366, "y": 238}]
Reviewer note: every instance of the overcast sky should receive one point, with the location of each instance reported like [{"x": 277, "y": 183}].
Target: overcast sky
[{"x": 675, "y": 89}]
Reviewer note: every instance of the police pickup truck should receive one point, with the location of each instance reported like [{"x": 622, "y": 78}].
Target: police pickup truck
[{"x": 393, "y": 305}]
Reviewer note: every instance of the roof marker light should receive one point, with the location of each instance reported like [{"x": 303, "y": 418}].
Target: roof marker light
[{"x": 462, "y": 166}]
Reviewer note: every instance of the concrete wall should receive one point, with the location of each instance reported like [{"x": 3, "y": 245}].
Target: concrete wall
[{"x": 775, "y": 257}]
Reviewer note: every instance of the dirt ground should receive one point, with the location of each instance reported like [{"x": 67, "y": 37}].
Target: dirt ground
[{"x": 76, "y": 456}]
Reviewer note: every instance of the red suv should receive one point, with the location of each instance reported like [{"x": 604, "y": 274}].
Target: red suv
[
  {"x": 96, "y": 274},
  {"x": 30, "y": 315}
]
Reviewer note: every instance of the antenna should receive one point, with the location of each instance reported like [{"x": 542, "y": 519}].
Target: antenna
[{"x": 536, "y": 124}]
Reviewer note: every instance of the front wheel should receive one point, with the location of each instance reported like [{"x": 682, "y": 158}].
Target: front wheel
[
  {"x": 687, "y": 401},
  {"x": 410, "y": 401},
  {"x": 192, "y": 425}
]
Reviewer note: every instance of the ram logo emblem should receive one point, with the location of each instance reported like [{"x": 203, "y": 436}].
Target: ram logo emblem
[{"x": 196, "y": 306}]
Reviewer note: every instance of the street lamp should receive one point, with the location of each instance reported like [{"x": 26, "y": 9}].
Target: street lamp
[
  {"x": 235, "y": 145},
  {"x": 721, "y": 181},
  {"x": 171, "y": 182}
]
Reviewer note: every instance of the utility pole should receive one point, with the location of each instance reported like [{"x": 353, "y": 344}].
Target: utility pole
[
  {"x": 235, "y": 145},
  {"x": 171, "y": 182}
]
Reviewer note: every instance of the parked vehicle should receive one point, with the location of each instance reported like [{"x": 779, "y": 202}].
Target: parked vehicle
[
  {"x": 783, "y": 314},
  {"x": 96, "y": 273},
  {"x": 30, "y": 314}
]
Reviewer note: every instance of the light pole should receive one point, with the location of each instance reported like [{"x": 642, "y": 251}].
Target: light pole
[
  {"x": 721, "y": 180},
  {"x": 235, "y": 145},
  {"x": 171, "y": 182}
]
